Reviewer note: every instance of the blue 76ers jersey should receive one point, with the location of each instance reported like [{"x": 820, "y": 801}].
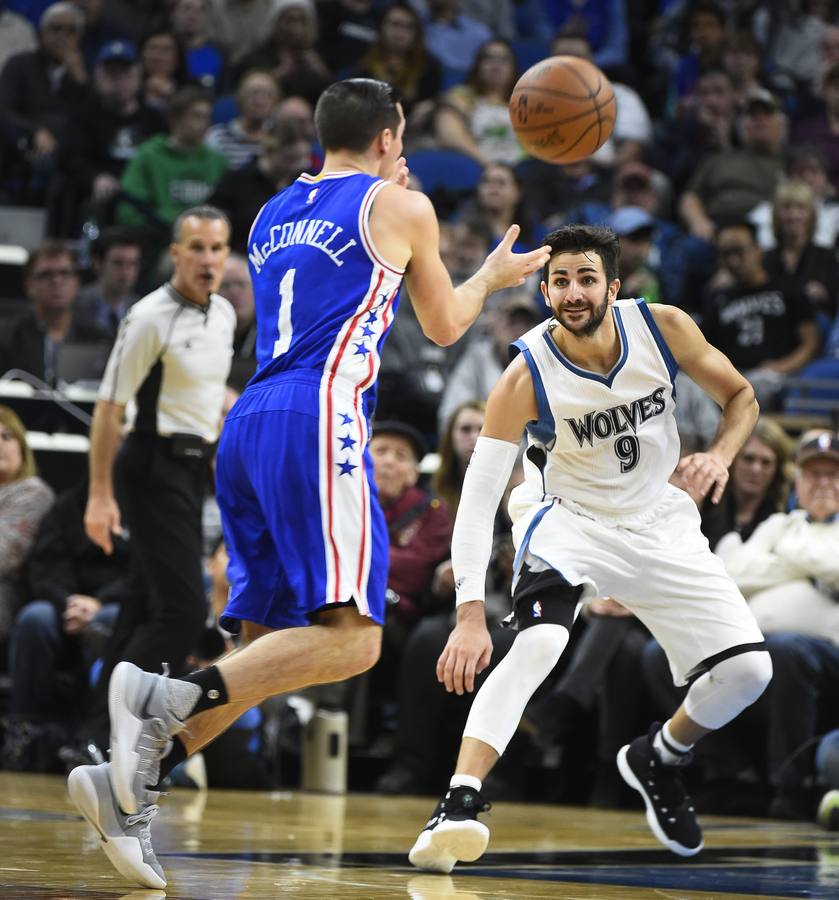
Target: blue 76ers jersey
[{"x": 325, "y": 297}]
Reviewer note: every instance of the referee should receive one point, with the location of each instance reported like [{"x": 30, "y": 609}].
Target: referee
[{"x": 168, "y": 367}]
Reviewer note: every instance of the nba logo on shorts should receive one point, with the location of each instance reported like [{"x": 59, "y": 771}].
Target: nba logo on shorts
[{"x": 537, "y": 610}]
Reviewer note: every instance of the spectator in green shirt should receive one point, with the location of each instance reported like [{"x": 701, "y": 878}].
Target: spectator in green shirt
[{"x": 172, "y": 172}]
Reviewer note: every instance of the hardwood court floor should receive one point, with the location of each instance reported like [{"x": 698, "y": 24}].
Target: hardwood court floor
[{"x": 227, "y": 844}]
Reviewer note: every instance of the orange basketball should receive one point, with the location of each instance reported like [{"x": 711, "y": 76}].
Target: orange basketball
[{"x": 563, "y": 109}]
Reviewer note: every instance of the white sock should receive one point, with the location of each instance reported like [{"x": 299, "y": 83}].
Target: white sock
[
  {"x": 465, "y": 781},
  {"x": 670, "y": 757}
]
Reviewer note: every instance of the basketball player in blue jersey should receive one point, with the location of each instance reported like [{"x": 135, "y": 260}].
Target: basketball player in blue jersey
[
  {"x": 596, "y": 516},
  {"x": 307, "y": 540}
]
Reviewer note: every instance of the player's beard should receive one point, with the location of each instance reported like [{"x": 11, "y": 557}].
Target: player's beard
[{"x": 596, "y": 316}]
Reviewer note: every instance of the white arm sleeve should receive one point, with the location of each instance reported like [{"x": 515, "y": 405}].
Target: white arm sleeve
[{"x": 483, "y": 487}]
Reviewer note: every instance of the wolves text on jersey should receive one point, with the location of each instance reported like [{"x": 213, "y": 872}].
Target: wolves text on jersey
[
  {"x": 617, "y": 419},
  {"x": 318, "y": 233}
]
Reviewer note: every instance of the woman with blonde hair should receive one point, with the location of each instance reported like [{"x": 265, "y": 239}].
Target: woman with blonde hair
[
  {"x": 796, "y": 259},
  {"x": 24, "y": 498},
  {"x": 456, "y": 446},
  {"x": 473, "y": 117}
]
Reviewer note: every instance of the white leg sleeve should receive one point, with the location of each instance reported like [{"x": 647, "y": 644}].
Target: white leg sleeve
[
  {"x": 728, "y": 688},
  {"x": 500, "y": 702}
]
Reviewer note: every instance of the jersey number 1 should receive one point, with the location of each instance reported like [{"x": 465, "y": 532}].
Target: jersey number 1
[{"x": 284, "y": 329}]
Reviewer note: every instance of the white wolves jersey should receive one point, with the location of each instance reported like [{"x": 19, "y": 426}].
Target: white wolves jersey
[
  {"x": 608, "y": 442},
  {"x": 325, "y": 297}
]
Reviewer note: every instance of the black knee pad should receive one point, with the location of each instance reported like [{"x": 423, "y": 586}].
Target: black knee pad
[{"x": 544, "y": 597}]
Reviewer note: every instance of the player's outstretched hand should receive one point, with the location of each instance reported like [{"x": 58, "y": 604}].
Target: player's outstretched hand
[
  {"x": 505, "y": 269},
  {"x": 467, "y": 652},
  {"x": 699, "y": 472},
  {"x": 398, "y": 173}
]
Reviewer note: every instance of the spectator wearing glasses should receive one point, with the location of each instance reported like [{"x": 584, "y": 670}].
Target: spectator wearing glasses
[
  {"x": 40, "y": 90},
  {"x": 31, "y": 341}
]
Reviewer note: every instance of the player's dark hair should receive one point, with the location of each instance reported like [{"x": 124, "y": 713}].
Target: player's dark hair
[
  {"x": 583, "y": 239},
  {"x": 350, "y": 113}
]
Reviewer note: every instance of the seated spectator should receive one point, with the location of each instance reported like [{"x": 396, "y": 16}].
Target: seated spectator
[
  {"x": 289, "y": 53},
  {"x": 454, "y": 37},
  {"x": 236, "y": 286},
  {"x": 730, "y": 183},
  {"x": 24, "y": 499},
  {"x": 795, "y": 259},
  {"x": 171, "y": 172},
  {"x": 135, "y": 18},
  {"x": 241, "y": 193},
  {"x": 766, "y": 331},
  {"x": 40, "y": 90},
  {"x": 741, "y": 59},
  {"x": 634, "y": 226},
  {"x": 430, "y": 719},
  {"x": 400, "y": 57},
  {"x": 239, "y": 140},
  {"x": 164, "y": 68},
  {"x": 499, "y": 202},
  {"x": 603, "y": 24},
  {"x": 31, "y": 341},
  {"x": 456, "y": 445},
  {"x": 348, "y": 29},
  {"x": 703, "y": 126},
  {"x": 73, "y": 590},
  {"x": 804, "y": 43},
  {"x": 758, "y": 485},
  {"x": 789, "y": 572},
  {"x": 806, "y": 164},
  {"x": 704, "y": 50},
  {"x": 238, "y": 26},
  {"x": 485, "y": 358},
  {"x": 102, "y": 304},
  {"x": 101, "y": 139},
  {"x": 473, "y": 117},
  {"x": 633, "y": 131},
  {"x": 822, "y": 131},
  {"x": 204, "y": 59},
  {"x": 420, "y": 530}
]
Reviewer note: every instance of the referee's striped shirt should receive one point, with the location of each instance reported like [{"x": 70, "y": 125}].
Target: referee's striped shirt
[{"x": 173, "y": 357}]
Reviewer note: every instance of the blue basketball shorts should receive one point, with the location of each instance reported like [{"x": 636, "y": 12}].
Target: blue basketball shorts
[{"x": 302, "y": 523}]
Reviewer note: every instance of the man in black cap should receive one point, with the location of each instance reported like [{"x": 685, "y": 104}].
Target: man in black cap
[
  {"x": 788, "y": 570},
  {"x": 420, "y": 530},
  {"x": 105, "y": 134}
]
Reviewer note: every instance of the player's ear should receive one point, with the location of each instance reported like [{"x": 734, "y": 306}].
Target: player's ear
[
  {"x": 614, "y": 287},
  {"x": 544, "y": 289}
]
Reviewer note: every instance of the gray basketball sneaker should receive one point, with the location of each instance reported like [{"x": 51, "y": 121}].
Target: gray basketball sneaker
[
  {"x": 126, "y": 839},
  {"x": 146, "y": 710}
]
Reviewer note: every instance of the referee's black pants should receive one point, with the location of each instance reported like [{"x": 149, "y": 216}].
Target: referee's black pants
[{"x": 161, "y": 499}]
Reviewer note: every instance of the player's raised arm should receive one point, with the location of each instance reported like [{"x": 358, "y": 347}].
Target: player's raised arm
[
  {"x": 511, "y": 404},
  {"x": 715, "y": 374},
  {"x": 406, "y": 222}
]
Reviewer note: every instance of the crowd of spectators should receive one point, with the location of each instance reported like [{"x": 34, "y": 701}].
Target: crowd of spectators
[{"x": 721, "y": 178}]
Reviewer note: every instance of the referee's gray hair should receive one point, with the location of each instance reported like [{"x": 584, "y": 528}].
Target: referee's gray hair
[
  {"x": 57, "y": 9},
  {"x": 199, "y": 212}
]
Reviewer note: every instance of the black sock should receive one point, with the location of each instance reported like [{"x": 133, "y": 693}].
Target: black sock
[
  {"x": 213, "y": 690},
  {"x": 174, "y": 758}
]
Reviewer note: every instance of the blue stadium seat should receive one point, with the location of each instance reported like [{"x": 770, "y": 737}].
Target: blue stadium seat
[
  {"x": 444, "y": 169},
  {"x": 815, "y": 391},
  {"x": 225, "y": 109}
]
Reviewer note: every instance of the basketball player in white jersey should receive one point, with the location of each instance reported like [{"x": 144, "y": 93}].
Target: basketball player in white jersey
[{"x": 597, "y": 516}]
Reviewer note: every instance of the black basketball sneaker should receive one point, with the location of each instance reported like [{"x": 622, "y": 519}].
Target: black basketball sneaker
[
  {"x": 453, "y": 833},
  {"x": 670, "y": 813}
]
